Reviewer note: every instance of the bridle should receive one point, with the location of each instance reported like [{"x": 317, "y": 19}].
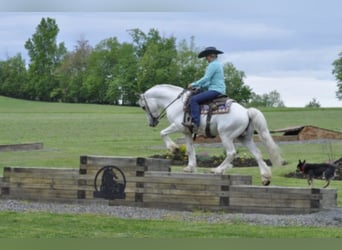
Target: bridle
[{"x": 155, "y": 120}]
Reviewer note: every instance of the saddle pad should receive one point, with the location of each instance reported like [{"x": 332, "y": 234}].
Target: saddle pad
[{"x": 220, "y": 109}]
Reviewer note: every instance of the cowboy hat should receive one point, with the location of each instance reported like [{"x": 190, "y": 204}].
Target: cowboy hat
[{"x": 209, "y": 51}]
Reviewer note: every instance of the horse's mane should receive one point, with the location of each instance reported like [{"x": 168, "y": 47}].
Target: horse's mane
[
  {"x": 168, "y": 86},
  {"x": 165, "y": 88}
]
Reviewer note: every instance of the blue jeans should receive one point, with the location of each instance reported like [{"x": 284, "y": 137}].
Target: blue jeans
[{"x": 197, "y": 100}]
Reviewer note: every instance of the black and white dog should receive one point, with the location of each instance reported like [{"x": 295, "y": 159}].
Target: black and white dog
[{"x": 317, "y": 170}]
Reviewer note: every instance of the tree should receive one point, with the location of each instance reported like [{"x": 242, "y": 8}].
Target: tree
[
  {"x": 236, "y": 88},
  {"x": 272, "y": 99},
  {"x": 45, "y": 55},
  {"x": 156, "y": 57},
  {"x": 122, "y": 87},
  {"x": 190, "y": 68},
  {"x": 337, "y": 71},
  {"x": 13, "y": 77},
  {"x": 71, "y": 73},
  {"x": 101, "y": 63},
  {"x": 313, "y": 104}
]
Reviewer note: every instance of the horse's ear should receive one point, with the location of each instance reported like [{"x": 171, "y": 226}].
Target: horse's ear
[
  {"x": 304, "y": 162},
  {"x": 299, "y": 162}
]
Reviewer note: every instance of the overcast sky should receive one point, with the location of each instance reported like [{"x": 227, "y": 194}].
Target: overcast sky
[{"x": 284, "y": 45}]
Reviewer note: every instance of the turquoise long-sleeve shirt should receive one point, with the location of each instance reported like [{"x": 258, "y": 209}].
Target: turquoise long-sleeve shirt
[{"x": 213, "y": 78}]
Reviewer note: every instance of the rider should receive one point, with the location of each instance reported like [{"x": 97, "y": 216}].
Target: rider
[{"x": 211, "y": 85}]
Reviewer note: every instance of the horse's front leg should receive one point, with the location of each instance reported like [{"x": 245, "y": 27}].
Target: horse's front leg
[
  {"x": 172, "y": 147},
  {"x": 170, "y": 144}
]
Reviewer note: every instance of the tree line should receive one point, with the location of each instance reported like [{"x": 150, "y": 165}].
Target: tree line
[{"x": 112, "y": 72}]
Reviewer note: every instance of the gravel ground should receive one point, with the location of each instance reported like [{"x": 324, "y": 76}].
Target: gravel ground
[{"x": 331, "y": 217}]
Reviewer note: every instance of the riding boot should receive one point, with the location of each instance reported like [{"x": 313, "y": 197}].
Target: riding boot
[
  {"x": 194, "y": 128},
  {"x": 191, "y": 126}
]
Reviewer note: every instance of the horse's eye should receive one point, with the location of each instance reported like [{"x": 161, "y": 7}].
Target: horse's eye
[{"x": 143, "y": 108}]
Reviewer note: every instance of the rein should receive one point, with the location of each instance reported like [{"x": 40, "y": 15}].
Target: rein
[{"x": 163, "y": 112}]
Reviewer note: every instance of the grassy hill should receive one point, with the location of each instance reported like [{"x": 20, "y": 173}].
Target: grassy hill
[{"x": 71, "y": 130}]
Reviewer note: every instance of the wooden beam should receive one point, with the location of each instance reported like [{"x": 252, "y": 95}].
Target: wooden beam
[{"x": 21, "y": 147}]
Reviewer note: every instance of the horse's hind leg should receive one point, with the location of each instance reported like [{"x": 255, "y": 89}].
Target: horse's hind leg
[
  {"x": 265, "y": 171},
  {"x": 191, "y": 154},
  {"x": 230, "y": 153}
]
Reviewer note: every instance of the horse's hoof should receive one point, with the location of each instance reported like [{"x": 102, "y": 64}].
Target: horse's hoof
[
  {"x": 174, "y": 150},
  {"x": 266, "y": 182},
  {"x": 216, "y": 171},
  {"x": 189, "y": 169}
]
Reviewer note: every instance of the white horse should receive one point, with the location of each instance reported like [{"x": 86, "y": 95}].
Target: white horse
[{"x": 239, "y": 123}]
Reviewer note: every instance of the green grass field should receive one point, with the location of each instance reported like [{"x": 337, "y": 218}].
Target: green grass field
[
  {"x": 46, "y": 225},
  {"x": 71, "y": 130}
]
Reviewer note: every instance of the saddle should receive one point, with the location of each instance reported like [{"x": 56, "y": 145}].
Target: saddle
[{"x": 219, "y": 105}]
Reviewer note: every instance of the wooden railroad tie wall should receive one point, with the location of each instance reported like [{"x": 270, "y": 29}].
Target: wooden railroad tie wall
[
  {"x": 184, "y": 191},
  {"x": 228, "y": 193},
  {"x": 151, "y": 184},
  {"x": 131, "y": 167},
  {"x": 40, "y": 184},
  {"x": 279, "y": 200},
  {"x": 70, "y": 184},
  {"x": 21, "y": 147}
]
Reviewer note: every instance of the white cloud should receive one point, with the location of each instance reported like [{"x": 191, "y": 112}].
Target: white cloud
[
  {"x": 273, "y": 61},
  {"x": 291, "y": 54},
  {"x": 102, "y": 5},
  {"x": 298, "y": 75},
  {"x": 297, "y": 91}
]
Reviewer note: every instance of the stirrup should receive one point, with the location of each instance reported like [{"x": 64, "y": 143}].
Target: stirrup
[{"x": 187, "y": 125}]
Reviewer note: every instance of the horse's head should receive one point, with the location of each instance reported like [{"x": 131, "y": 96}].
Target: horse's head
[
  {"x": 151, "y": 108},
  {"x": 159, "y": 100}
]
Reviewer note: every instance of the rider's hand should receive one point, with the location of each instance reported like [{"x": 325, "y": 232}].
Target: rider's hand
[{"x": 190, "y": 86}]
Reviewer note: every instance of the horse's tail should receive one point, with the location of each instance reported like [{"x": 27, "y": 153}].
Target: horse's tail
[{"x": 260, "y": 125}]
